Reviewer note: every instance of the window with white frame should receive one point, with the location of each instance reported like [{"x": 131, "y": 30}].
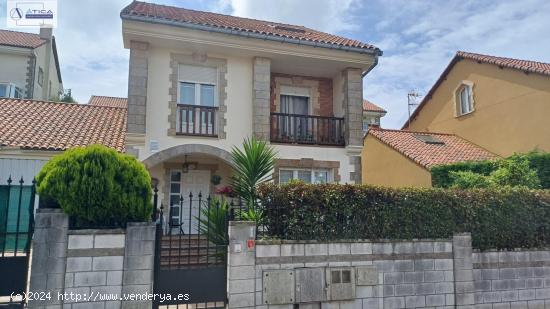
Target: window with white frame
[
  {"x": 9, "y": 90},
  {"x": 175, "y": 195},
  {"x": 464, "y": 99},
  {"x": 197, "y": 85},
  {"x": 305, "y": 175}
]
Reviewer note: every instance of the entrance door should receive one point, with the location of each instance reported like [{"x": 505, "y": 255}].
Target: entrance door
[{"x": 193, "y": 182}]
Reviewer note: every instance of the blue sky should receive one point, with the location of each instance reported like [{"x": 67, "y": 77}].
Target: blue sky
[{"x": 418, "y": 38}]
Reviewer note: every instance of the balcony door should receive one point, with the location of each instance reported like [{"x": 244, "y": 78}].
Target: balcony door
[{"x": 294, "y": 126}]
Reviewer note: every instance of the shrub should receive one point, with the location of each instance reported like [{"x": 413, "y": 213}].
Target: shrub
[
  {"x": 539, "y": 162},
  {"x": 97, "y": 187},
  {"x": 469, "y": 180},
  {"x": 516, "y": 172},
  {"x": 501, "y": 219}
]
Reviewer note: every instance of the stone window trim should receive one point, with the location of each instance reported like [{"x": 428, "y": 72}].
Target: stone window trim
[
  {"x": 198, "y": 60},
  {"x": 307, "y": 163},
  {"x": 279, "y": 80},
  {"x": 456, "y": 99}
]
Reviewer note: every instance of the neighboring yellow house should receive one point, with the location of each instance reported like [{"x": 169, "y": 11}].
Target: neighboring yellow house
[
  {"x": 500, "y": 104},
  {"x": 481, "y": 107},
  {"x": 398, "y": 158}
]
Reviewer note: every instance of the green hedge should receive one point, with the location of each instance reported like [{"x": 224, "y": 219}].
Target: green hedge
[
  {"x": 539, "y": 161},
  {"x": 505, "y": 219},
  {"x": 97, "y": 187}
]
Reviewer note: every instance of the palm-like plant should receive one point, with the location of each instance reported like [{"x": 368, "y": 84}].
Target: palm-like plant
[{"x": 252, "y": 166}]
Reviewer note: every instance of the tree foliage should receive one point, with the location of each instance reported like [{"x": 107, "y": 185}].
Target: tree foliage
[{"x": 97, "y": 186}]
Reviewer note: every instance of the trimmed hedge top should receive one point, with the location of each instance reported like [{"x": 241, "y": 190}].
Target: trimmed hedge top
[
  {"x": 538, "y": 161},
  {"x": 498, "y": 219},
  {"x": 97, "y": 187}
]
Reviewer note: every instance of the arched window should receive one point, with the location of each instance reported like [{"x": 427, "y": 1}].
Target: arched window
[{"x": 464, "y": 99}]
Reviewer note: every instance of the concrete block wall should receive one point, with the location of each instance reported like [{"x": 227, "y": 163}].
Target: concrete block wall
[
  {"x": 95, "y": 260},
  {"x": 407, "y": 274},
  {"x": 91, "y": 268},
  {"x": 513, "y": 279}
]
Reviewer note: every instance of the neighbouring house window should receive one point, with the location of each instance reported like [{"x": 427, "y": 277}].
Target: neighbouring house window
[
  {"x": 175, "y": 195},
  {"x": 305, "y": 175},
  {"x": 9, "y": 90},
  {"x": 18, "y": 93},
  {"x": 3, "y": 91},
  {"x": 370, "y": 120},
  {"x": 464, "y": 101},
  {"x": 40, "y": 77}
]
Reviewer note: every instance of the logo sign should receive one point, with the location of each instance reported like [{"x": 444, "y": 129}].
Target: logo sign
[{"x": 31, "y": 13}]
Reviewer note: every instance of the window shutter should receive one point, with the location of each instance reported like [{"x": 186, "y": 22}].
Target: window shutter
[{"x": 198, "y": 74}]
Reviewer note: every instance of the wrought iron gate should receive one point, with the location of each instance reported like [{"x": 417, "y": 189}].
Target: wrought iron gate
[
  {"x": 16, "y": 229},
  {"x": 191, "y": 252}
]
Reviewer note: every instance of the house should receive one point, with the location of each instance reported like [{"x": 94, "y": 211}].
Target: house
[
  {"x": 400, "y": 158},
  {"x": 372, "y": 114},
  {"x": 200, "y": 83},
  {"x": 32, "y": 132},
  {"x": 30, "y": 65},
  {"x": 500, "y": 104}
]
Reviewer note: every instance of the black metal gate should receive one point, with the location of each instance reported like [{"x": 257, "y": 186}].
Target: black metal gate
[
  {"x": 191, "y": 252},
  {"x": 16, "y": 229}
]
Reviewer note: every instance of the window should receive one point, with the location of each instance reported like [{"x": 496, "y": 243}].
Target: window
[
  {"x": 370, "y": 120},
  {"x": 40, "y": 77},
  {"x": 18, "y": 93},
  {"x": 9, "y": 90},
  {"x": 175, "y": 195},
  {"x": 305, "y": 175},
  {"x": 464, "y": 99},
  {"x": 197, "y": 85}
]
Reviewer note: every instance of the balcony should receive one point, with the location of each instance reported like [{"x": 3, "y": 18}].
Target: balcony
[
  {"x": 306, "y": 129},
  {"x": 197, "y": 120}
]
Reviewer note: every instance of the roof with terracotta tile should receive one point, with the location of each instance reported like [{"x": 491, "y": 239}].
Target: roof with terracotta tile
[
  {"x": 43, "y": 125},
  {"x": 368, "y": 106},
  {"x": 511, "y": 63},
  {"x": 237, "y": 25},
  {"x": 99, "y": 100},
  {"x": 20, "y": 39},
  {"x": 443, "y": 149}
]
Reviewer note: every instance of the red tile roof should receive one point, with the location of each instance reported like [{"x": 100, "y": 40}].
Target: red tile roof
[
  {"x": 98, "y": 100},
  {"x": 454, "y": 149},
  {"x": 169, "y": 14},
  {"x": 368, "y": 106},
  {"x": 20, "y": 39},
  {"x": 524, "y": 65},
  {"x": 43, "y": 125},
  {"x": 511, "y": 63}
]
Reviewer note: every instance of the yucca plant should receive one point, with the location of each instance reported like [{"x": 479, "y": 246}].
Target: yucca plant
[{"x": 252, "y": 166}]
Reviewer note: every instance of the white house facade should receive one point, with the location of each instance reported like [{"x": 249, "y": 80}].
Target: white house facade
[
  {"x": 200, "y": 83},
  {"x": 30, "y": 65}
]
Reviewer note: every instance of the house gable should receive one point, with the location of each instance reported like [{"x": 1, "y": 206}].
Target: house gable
[{"x": 510, "y": 107}]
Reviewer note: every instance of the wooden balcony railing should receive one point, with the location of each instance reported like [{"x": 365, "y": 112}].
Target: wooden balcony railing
[
  {"x": 306, "y": 129},
  {"x": 197, "y": 120}
]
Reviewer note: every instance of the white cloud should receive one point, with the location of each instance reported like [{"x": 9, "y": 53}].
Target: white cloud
[
  {"x": 324, "y": 15},
  {"x": 429, "y": 36}
]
